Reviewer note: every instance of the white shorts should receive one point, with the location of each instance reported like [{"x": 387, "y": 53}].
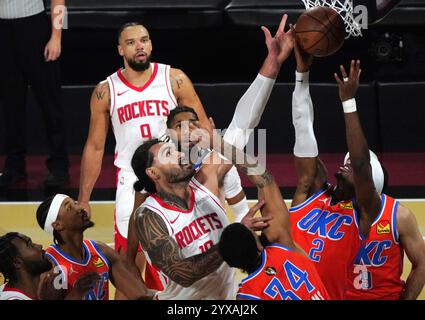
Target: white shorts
[{"x": 124, "y": 201}]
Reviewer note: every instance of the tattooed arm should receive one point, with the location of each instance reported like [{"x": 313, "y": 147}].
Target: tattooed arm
[
  {"x": 166, "y": 255},
  {"x": 186, "y": 95},
  {"x": 279, "y": 230},
  {"x": 91, "y": 161}
]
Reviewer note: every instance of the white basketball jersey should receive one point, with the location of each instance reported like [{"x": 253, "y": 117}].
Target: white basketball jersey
[
  {"x": 7, "y": 293},
  {"x": 139, "y": 114},
  {"x": 195, "y": 231}
]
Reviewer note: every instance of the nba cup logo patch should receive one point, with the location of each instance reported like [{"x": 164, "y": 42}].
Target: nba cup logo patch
[
  {"x": 348, "y": 205},
  {"x": 383, "y": 227},
  {"x": 99, "y": 263},
  {"x": 270, "y": 271}
]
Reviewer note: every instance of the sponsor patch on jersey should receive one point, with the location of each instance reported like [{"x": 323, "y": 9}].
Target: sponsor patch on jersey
[
  {"x": 270, "y": 271},
  {"x": 348, "y": 205},
  {"x": 99, "y": 263},
  {"x": 383, "y": 227}
]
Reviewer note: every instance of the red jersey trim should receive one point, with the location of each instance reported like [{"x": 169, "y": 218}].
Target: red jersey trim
[
  {"x": 202, "y": 188},
  {"x": 10, "y": 289},
  {"x": 170, "y": 207},
  {"x": 167, "y": 80},
  {"x": 156, "y": 210},
  {"x": 128, "y": 84},
  {"x": 111, "y": 112}
]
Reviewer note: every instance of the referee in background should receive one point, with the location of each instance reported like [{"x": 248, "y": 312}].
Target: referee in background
[{"x": 31, "y": 46}]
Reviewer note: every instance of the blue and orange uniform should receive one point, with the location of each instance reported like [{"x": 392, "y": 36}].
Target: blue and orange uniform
[
  {"x": 283, "y": 275},
  {"x": 71, "y": 269},
  {"x": 330, "y": 236},
  {"x": 378, "y": 267}
]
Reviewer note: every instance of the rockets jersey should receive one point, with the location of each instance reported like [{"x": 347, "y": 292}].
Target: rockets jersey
[
  {"x": 379, "y": 264},
  {"x": 139, "y": 114},
  {"x": 283, "y": 275},
  {"x": 195, "y": 231},
  {"x": 329, "y": 235},
  {"x": 7, "y": 293},
  {"x": 71, "y": 269}
]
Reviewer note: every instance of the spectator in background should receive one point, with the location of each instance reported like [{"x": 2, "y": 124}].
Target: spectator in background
[{"x": 29, "y": 56}]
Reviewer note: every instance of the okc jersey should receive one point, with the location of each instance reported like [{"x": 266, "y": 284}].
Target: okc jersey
[
  {"x": 379, "y": 264},
  {"x": 139, "y": 114},
  {"x": 71, "y": 270},
  {"x": 283, "y": 275},
  {"x": 330, "y": 236},
  {"x": 195, "y": 231},
  {"x": 7, "y": 293}
]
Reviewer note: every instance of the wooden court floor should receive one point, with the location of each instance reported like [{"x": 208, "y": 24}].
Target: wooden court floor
[{"x": 20, "y": 217}]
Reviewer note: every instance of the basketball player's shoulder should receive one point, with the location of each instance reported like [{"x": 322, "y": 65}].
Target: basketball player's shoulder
[
  {"x": 101, "y": 95},
  {"x": 178, "y": 78}
]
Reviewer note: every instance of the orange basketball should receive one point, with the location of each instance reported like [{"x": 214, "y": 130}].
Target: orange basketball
[{"x": 320, "y": 31}]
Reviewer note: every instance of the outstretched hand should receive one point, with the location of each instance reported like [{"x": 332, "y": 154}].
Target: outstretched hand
[
  {"x": 256, "y": 224},
  {"x": 304, "y": 59},
  {"x": 281, "y": 45},
  {"x": 349, "y": 84}
]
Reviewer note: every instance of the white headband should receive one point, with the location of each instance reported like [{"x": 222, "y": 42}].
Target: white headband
[
  {"x": 52, "y": 215},
  {"x": 377, "y": 172}
]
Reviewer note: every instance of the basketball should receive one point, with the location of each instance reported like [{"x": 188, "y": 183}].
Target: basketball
[{"x": 320, "y": 31}]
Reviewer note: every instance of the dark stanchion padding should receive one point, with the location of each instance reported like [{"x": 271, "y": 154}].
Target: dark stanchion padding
[
  {"x": 393, "y": 13},
  {"x": 264, "y": 12},
  {"x": 402, "y": 113},
  {"x": 164, "y": 14}
]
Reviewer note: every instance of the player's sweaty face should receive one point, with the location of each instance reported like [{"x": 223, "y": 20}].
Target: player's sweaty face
[
  {"x": 181, "y": 126},
  {"x": 135, "y": 44}
]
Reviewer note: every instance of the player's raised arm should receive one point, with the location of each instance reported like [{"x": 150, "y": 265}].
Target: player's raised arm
[
  {"x": 367, "y": 197},
  {"x": 310, "y": 170},
  {"x": 274, "y": 206},
  {"x": 91, "y": 161},
  {"x": 166, "y": 255},
  {"x": 251, "y": 105}
]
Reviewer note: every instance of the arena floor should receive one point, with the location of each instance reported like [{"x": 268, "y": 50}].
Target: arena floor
[{"x": 20, "y": 216}]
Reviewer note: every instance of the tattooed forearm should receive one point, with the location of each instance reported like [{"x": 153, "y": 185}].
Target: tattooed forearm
[
  {"x": 257, "y": 173},
  {"x": 166, "y": 255}
]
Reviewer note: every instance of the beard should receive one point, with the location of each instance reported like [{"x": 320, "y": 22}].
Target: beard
[
  {"x": 139, "y": 66},
  {"x": 36, "y": 268},
  {"x": 185, "y": 175}
]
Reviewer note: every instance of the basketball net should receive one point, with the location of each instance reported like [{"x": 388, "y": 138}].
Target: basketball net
[{"x": 344, "y": 9}]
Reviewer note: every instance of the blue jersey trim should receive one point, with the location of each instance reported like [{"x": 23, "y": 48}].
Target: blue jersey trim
[
  {"x": 256, "y": 272},
  {"x": 306, "y": 202},
  {"x": 247, "y": 296},
  {"x": 64, "y": 276},
  {"x": 383, "y": 204},
  {"x": 280, "y": 246},
  {"x": 394, "y": 222},
  {"x": 100, "y": 253},
  {"x": 69, "y": 258}
]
